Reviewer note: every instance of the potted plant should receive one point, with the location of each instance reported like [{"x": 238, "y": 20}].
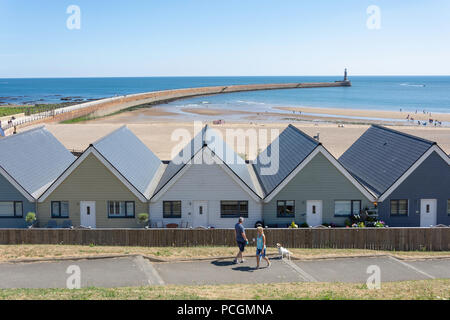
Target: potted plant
[
  {"x": 142, "y": 218},
  {"x": 30, "y": 219},
  {"x": 293, "y": 225}
]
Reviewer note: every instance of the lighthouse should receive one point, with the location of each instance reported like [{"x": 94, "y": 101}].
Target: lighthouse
[{"x": 345, "y": 75}]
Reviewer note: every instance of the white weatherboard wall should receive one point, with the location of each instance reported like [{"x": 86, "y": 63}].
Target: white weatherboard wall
[{"x": 203, "y": 182}]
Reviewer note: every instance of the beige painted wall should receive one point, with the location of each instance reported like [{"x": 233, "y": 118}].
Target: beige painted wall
[{"x": 92, "y": 181}]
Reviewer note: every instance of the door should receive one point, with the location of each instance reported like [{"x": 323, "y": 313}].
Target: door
[
  {"x": 314, "y": 212},
  {"x": 428, "y": 210},
  {"x": 87, "y": 214},
  {"x": 200, "y": 217}
]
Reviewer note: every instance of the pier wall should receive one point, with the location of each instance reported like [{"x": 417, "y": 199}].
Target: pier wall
[{"x": 112, "y": 105}]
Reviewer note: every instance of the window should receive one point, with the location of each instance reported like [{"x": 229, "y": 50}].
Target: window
[
  {"x": 121, "y": 209},
  {"x": 60, "y": 209},
  {"x": 172, "y": 209},
  {"x": 233, "y": 209},
  {"x": 399, "y": 207},
  {"x": 344, "y": 208},
  {"x": 11, "y": 209},
  {"x": 448, "y": 207},
  {"x": 285, "y": 208}
]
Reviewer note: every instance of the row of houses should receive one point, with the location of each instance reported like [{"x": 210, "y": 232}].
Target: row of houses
[{"x": 402, "y": 178}]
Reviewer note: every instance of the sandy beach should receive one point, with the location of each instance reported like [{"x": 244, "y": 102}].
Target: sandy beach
[
  {"x": 373, "y": 113},
  {"x": 276, "y": 114},
  {"x": 335, "y": 139}
]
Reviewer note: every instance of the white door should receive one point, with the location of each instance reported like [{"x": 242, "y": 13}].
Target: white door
[
  {"x": 87, "y": 213},
  {"x": 314, "y": 212},
  {"x": 428, "y": 212},
  {"x": 200, "y": 216}
]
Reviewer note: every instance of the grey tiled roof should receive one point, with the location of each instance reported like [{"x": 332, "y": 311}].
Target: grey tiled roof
[
  {"x": 381, "y": 156},
  {"x": 282, "y": 156},
  {"x": 182, "y": 158},
  {"x": 211, "y": 139},
  {"x": 34, "y": 158},
  {"x": 129, "y": 155}
]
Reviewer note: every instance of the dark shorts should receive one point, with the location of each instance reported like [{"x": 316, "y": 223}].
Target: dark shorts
[
  {"x": 261, "y": 252},
  {"x": 241, "y": 246}
]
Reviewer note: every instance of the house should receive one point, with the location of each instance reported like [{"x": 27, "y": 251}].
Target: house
[
  {"x": 29, "y": 162},
  {"x": 106, "y": 187},
  {"x": 303, "y": 182},
  {"x": 206, "y": 185},
  {"x": 409, "y": 175}
]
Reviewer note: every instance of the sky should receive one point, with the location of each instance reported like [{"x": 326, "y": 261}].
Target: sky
[{"x": 224, "y": 38}]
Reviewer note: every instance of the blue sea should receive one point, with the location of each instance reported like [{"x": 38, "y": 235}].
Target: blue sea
[{"x": 409, "y": 93}]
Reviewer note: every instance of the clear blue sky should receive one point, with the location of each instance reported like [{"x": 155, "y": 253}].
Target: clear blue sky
[{"x": 220, "y": 38}]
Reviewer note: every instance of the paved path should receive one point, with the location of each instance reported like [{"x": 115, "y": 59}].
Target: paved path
[{"x": 137, "y": 271}]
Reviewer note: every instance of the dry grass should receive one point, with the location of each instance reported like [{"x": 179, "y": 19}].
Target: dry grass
[
  {"x": 406, "y": 290},
  {"x": 15, "y": 252}
]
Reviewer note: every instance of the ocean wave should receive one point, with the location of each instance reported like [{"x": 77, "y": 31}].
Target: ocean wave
[{"x": 412, "y": 85}]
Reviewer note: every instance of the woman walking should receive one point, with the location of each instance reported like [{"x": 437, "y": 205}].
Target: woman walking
[{"x": 261, "y": 247}]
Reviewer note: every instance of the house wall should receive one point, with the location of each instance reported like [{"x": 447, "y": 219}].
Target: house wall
[
  {"x": 318, "y": 180},
  {"x": 9, "y": 193},
  {"x": 92, "y": 181},
  {"x": 431, "y": 180},
  {"x": 203, "y": 182}
]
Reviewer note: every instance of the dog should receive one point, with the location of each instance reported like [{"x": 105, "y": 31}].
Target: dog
[{"x": 283, "y": 252}]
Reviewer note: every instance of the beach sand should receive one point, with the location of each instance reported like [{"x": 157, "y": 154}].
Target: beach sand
[
  {"x": 372, "y": 113},
  {"x": 335, "y": 139}
]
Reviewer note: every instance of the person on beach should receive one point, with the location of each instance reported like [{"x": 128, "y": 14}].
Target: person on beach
[
  {"x": 261, "y": 247},
  {"x": 241, "y": 239}
]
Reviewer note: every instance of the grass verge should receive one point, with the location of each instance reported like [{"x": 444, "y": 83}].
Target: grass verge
[
  {"x": 405, "y": 290},
  {"x": 15, "y": 252}
]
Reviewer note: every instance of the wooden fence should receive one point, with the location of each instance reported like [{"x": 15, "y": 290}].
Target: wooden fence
[{"x": 436, "y": 239}]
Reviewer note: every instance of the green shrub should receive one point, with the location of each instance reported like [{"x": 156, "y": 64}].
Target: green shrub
[
  {"x": 304, "y": 225},
  {"x": 143, "y": 218},
  {"x": 30, "y": 218}
]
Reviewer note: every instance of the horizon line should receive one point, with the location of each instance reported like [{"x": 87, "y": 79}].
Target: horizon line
[{"x": 229, "y": 76}]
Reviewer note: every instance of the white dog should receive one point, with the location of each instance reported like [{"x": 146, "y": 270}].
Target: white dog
[{"x": 283, "y": 252}]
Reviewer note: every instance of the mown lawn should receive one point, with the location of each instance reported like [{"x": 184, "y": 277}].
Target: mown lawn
[
  {"x": 405, "y": 290},
  {"x": 16, "y": 252}
]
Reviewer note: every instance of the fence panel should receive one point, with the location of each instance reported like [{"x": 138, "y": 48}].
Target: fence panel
[{"x": 436, "y": 239}]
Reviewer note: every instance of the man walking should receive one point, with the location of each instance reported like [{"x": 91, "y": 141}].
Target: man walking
[{"x": 241, "y": 239}]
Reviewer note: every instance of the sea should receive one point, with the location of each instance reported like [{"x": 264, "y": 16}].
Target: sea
[{"x": 408, "y": 93}]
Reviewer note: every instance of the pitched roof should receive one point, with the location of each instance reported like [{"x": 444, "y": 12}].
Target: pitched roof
[
  {"x": 34, "y": 158},
  {"x": 211, "y": 139},
  {"x": 131, "y": 157},
  {"x": 181, "y": 159},
  {"x": 282, "y": 156},
  {"x": 381, "y": 156}
]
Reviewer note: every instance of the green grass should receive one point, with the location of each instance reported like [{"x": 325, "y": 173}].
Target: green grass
[
  {"x": 31, "y": 109},
  {"x": 404, "y": 290}
]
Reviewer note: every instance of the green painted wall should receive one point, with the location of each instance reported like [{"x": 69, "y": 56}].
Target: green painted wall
[
  {"x": 319, "y": 180},
  {"x": 92, "y": 181}
]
